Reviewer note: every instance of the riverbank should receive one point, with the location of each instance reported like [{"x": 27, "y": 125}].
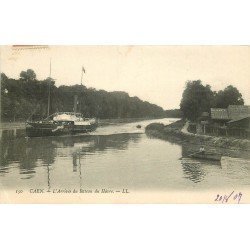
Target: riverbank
[
  {"x": 12, "y": 125},
  {"x": 175, "y": 133}
]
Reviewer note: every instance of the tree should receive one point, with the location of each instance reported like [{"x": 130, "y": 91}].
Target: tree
[
  {"x": 196, "y": 98},
  {"x": 229, "y": 96},
  {"x": 4, "y": 78},
  {"x": 28, "y": 75},
  {"x": 3, "y": 83}
]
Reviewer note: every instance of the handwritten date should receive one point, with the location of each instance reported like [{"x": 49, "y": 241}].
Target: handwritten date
[{"x": 230, "y": 197}]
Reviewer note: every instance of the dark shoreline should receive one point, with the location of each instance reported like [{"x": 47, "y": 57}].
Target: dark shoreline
[
  {"x": 174, "y": 134},
  {"x": 102, "y": 122}
]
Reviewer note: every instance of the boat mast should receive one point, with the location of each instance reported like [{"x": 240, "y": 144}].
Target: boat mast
[
  {"x": 80, "y": 100},
  {"x": 75, "y": 104},
  {"x": 83, "y": 70},
  {"x": 49, "y": 88}
]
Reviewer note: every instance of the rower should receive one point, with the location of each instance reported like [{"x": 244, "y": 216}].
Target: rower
[{"x": 202, "y": 150}]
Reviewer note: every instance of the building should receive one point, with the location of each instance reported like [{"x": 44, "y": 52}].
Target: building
[
  {"x": 219, "y": 116},
  {"x": 238, "y": 111},
  {"x": 239, "y": 124},
  {"x": 233, "y": 121}
]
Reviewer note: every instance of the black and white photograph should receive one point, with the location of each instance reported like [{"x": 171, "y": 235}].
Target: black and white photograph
[{"x": 125, "y": 124}]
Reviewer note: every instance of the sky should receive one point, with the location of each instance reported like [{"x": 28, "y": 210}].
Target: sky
[{"x": 153, "y": 73}]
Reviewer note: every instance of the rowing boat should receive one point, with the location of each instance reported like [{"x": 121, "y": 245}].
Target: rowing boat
[
  {"x": 206, "y": 156},
  {"x": 210, "y": 156}
]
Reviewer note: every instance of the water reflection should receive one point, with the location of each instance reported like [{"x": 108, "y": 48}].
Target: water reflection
[
  {"x": 48, "y": 175},
  {"x": 28, "y": 152},
  {"x": 193, "y": 171}
]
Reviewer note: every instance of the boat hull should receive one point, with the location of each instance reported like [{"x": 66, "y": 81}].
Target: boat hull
[
  {"x": 206, "y": 156},
  {"x": 42, "y": 130}
]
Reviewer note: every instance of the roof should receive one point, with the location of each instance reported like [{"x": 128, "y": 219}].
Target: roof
[
  {"x": 239, "y": 119},
  {"x": 236, "y": 112},
  {"x": 233, "y": 112},
  {"x": 219, "y": 114}
]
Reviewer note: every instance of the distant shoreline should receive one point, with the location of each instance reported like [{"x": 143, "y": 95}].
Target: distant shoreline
[{"x": 102, "y": 122}]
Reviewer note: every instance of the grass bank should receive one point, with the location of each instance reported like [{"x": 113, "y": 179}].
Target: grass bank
[{"x": 173, "y": 133}]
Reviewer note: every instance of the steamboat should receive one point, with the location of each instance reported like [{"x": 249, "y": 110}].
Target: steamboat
[{"x": 61, "y": 123}]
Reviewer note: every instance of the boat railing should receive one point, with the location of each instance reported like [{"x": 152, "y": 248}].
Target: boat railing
[
  {"x": 61, "y": 113},
  {"x": 50, "y": 117}
]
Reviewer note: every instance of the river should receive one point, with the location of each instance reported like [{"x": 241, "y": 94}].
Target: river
[{"x": 115, "y": 156}]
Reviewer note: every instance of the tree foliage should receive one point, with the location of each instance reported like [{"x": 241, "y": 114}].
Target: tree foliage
[
  {"x": 28, "y": 75},
  {"x": 230, "y": 95},
  {"x": 29, "y": 97},
  {"x": 197, "y": 98}
]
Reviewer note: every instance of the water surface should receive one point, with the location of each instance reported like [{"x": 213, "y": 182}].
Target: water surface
[{"x": 115, "y": 156}]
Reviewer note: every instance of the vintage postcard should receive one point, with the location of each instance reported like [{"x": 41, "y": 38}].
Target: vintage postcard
[{"x": 125, "y": 124}]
